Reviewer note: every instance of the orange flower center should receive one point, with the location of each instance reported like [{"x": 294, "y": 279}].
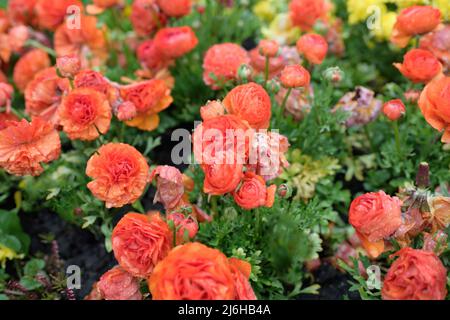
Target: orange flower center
[
  {"x": 121, "y": 169},
  {"x": 82, "y": 111}
]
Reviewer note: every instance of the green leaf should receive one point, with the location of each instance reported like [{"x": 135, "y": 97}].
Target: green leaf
[
  {"x": 30, "y": 283},
  {"x": 33, "y": 267}
]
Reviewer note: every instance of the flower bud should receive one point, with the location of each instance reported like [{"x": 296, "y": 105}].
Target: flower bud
[
  {"x": 294, "y": 76},
  {"x": 244, "y": 72},
  {"x": 394, "y": 109},
  {"x": 333, "y": 74},
  {"x": 268, "y": 48},
  {"x": 68, "y": 66},
  {"x": 273, "y": 86},
  {"x": 284, "y": 191},
  {"x": 126, "y": 111}
]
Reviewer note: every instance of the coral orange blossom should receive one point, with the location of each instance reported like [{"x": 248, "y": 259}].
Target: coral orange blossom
[
  {"x": 313, "y": 46},
  {"x": 305, "y": 13},
  {"x": 85, "y": 114},
  {"x": 175, "y": 42},
  {"x": 175, "y": 8},
  {"x": 375, "y": 216},
  {"x": 196, "y": 272},
  {"x": 119, "y": 172},
  {"x": 251, "y": 103},
  {"x": 140, "y": 242},
  {"x": 145, "y": 17},
  {"x": 415, "y": 275},
  {"x": 434, "y": 102},
  {"x": 295, "y": 76},
  {"x": 24, "y": 146},
  {"x": 221, "y": 64},
  {"x": 253, "y": 193},
  {"x": 413, "y": 21},
  {"x": 149, "y": 98},
  {"x": 22, "y": 11},
  {"x": 28, "y": 66},
  {"x": 419, "y": 66},
  {"x": 50, "y": 14}
]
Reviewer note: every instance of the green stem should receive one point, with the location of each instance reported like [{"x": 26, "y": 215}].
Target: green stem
[
  {"x": 369, "y": 138},
  {"x": 214, "y": 206},
  {"x": 397, "y": 138},
  {"x": 36, "y": 44}
]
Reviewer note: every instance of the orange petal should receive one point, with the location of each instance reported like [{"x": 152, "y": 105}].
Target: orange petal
[{"x": 373, "y": 249}]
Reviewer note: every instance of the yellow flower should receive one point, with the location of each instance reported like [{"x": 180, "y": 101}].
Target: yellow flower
[
  {"x": 444, "y": 6},
  {"x": 360, "y": 10},
  {"x": 7, "y": 254},
  {"x": 387, "y": 22},
  {"x": 408, "y": 3},
  {"x": 265, "y": 10},
  {"x": 281, "y": 30}
]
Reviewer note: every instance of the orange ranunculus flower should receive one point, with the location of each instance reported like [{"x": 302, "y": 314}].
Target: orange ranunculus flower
[
  {"x": 28, "y": 65},
  {"x": 175, "y": 8},
  {"x": 434, "y": 102},
  {"x": 258, "y": 63},
  {"x": 50, "y": 14},
  {"x": 126, "y": 111},
  {"x": 24, "y": 146},
  {"x": 193, "y": 272},
  {"x": 253, "y": 193},
  {"x": 419, "y": 66},
  {"x": 413, "y": 21},
  {"x": 85, "y": 114},
  {"x": 375, "y": 216},
  {"x": 221, "y": 63},
  {"x": 221, "y": 178},
  {"x": 313, "y": 46},
  {"x": 186, "y": 226},
  {"x": 21, "y": 11},
  {"x": 251, "y": 103},
  {"x": 150, "y": 56},
  {"x": 415, "y": 275},
  {"x": 150, "y": 97},
  {"x": 295, "y": 76},
  {"x": 268, "y": 48},
  {"x": 68, "y": 66},
  {"x": 437, "y": 43},
  {"x": 88, "y": 40},
  {"x": 91, "y": 79},
  {"x": 394, "y": 109},
  {"x": 117, "y": 284},
  {"x": 140, "y": 242},
  {"x": 175, "y": 42},
  {"x": 305, "y": 13},
  {"x": 241, "y": 273},
  {"x": 219, "y": 137},
  {"x": 43, "y": 95},
  {"x": 169, "y": 186},
  {"x": 119, "y": 173},
  {"x": 212, "y": 109},
  {"x": 145, "y": 17}
]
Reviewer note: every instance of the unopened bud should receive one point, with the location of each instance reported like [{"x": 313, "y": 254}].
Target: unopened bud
[
  {"x": 394, "y": 109},
  {"x": 284, "y": 191},
  {"x": 68, "y": 66},
  {"x": 244, "y": 72},
  {"x": 126, "y": 111},
  {"x": 268, "y": 48},
  {"x": 333, "y": 74}
]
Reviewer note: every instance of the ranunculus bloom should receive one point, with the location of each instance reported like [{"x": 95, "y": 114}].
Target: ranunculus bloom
[
  {"x": 88, "y": 40},
  {"x": 439, "y": 212},
  {"x": 43, "y": 95},
  {"x": 415, "y": 275},
  {"x": 21, "y": 11},
  {"x": 438, "y": 43},
  {"x": 126, "y": 111},
  {"x": 212, "y": 109},
  {"x": 119, "y": 173},
  {"x": 17, "y": 37},
  {"x": 305, "y": 13},
  {"x": 186, "y": 226},
  {"x": 221, "y": 64},
  {"x": 150, "y": 97},
  {"x": 169, "y": 186},
  {"x": 140, "y": 242},
  {"x": 50, "y": 14},
  {"x": 253, "y": 193},
  {"x": 221, "y": 178},
  {"x": 375, "y": 216},
  {"x": 91, "y": 79},
  {"x": 24, "y": 146},
  {"x": 394, "y": 109},
  {"x": 28, "y": 65},
  {"x": 145, "y": 17},
  {"x": 434, "y": 102},
  {"x": 117, "y": 284},
  {"x": 175, "y": 42},
  {"x": 175, "y": 8},
  {"x": 313, "y": 46},
  {"x": 68, "y": 65},
  {"x": 412, "y": 21},
  {"x": 241, "y": 273},
  {"x": 295, "y": 76},
  {"x": 85, "y": 114},
  {"x": 218, "y": 138},
  {"x": 268, "y": 48},
  {"x": 419, "y": 66},
  {"x": 258, "y": 63},
  {"x": 5, "y": 117},
  {"x": 193, "y": 272},
  {"x": 251, "y": 103},
  {"x": 150, "y": 56}
]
